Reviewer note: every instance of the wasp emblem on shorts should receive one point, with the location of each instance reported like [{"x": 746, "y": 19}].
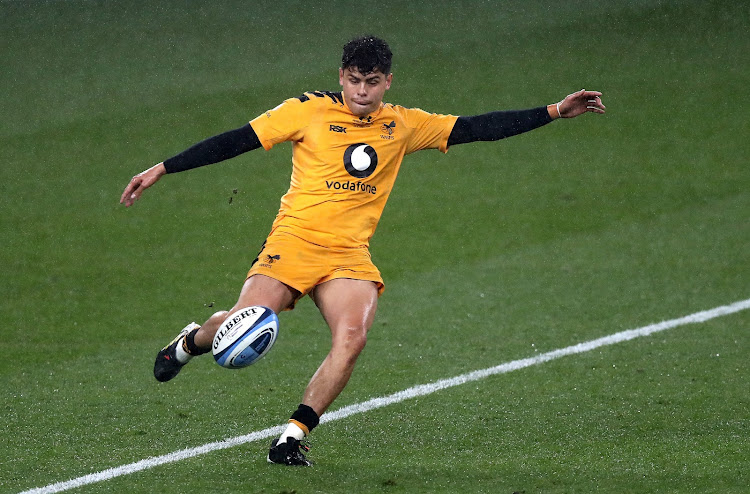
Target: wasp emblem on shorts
[{"x": 271, "y": 259}]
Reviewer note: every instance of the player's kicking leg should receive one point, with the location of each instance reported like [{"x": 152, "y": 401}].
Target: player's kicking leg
[
  {"x": 196, "y": 340},
  {"x": 348, "y": 307}
]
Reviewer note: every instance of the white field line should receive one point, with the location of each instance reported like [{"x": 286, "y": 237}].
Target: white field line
[{"x": 384, "y": 401}]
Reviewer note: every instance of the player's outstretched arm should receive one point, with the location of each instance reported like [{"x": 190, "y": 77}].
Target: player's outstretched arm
[
  {"x": 141, "y": 182},
  {"x": 501, "y": 124},
  {"x": 212, "y": 150}
]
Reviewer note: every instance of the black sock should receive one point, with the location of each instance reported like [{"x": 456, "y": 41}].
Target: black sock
[
  {"x": 190, "y": 347},
  {"x": 305, "y": 416}
]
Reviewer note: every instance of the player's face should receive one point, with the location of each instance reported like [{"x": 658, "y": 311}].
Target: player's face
[{"x": 363, "y": 93}]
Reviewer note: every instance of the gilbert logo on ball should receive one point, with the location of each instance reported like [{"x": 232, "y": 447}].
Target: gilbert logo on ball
[{"x": 245, "y": 336}]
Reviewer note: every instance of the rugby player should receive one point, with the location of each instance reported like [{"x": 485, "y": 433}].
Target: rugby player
[{"x": 347, "y": 148}]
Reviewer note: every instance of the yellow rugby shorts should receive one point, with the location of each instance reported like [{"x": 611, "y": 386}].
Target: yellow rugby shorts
[{"x": 303, "y": 265}]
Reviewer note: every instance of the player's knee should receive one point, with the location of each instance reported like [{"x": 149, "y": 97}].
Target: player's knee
[{"x": 351, "y": 341}]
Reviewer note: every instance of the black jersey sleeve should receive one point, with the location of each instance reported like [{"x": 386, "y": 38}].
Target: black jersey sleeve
[
  {"x": 214, "y": 149},
  {"x": 497, "y": 125}
]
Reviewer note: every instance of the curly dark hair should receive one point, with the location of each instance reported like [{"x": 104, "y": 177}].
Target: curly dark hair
[{"x": 367, "y": 54}]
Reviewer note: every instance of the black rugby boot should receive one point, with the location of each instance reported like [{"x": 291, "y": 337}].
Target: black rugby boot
[
  {"x": 289, "y": 453},
  {"x": 167, "y": 366}
]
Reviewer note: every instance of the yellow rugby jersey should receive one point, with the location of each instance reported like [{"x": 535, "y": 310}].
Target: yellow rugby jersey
[{"x": 344, "y": 166}]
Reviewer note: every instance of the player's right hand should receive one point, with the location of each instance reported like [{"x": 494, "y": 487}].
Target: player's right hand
[{"x": 141, "y": 182}]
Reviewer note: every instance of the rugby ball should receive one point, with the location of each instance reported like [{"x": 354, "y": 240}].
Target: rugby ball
[{"x": 245, "y": 336}]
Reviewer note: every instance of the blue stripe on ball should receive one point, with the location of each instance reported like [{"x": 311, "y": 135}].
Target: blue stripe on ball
[{"x": 262, "y": 343}]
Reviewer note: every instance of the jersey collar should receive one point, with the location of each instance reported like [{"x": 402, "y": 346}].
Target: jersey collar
[{"x": 365, "y": 118}]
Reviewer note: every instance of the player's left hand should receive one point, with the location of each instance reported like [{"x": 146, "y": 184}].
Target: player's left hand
[{"x": 581, "y": 102}]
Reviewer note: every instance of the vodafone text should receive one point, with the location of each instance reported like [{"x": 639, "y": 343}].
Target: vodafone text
[{"x": 353, "y": 186}]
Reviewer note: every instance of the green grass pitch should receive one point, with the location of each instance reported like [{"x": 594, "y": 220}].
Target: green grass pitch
[{"x": 491, "y": 253}]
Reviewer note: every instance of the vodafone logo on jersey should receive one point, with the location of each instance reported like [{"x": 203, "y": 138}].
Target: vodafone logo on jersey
[{"x": 360, "y": 160}]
